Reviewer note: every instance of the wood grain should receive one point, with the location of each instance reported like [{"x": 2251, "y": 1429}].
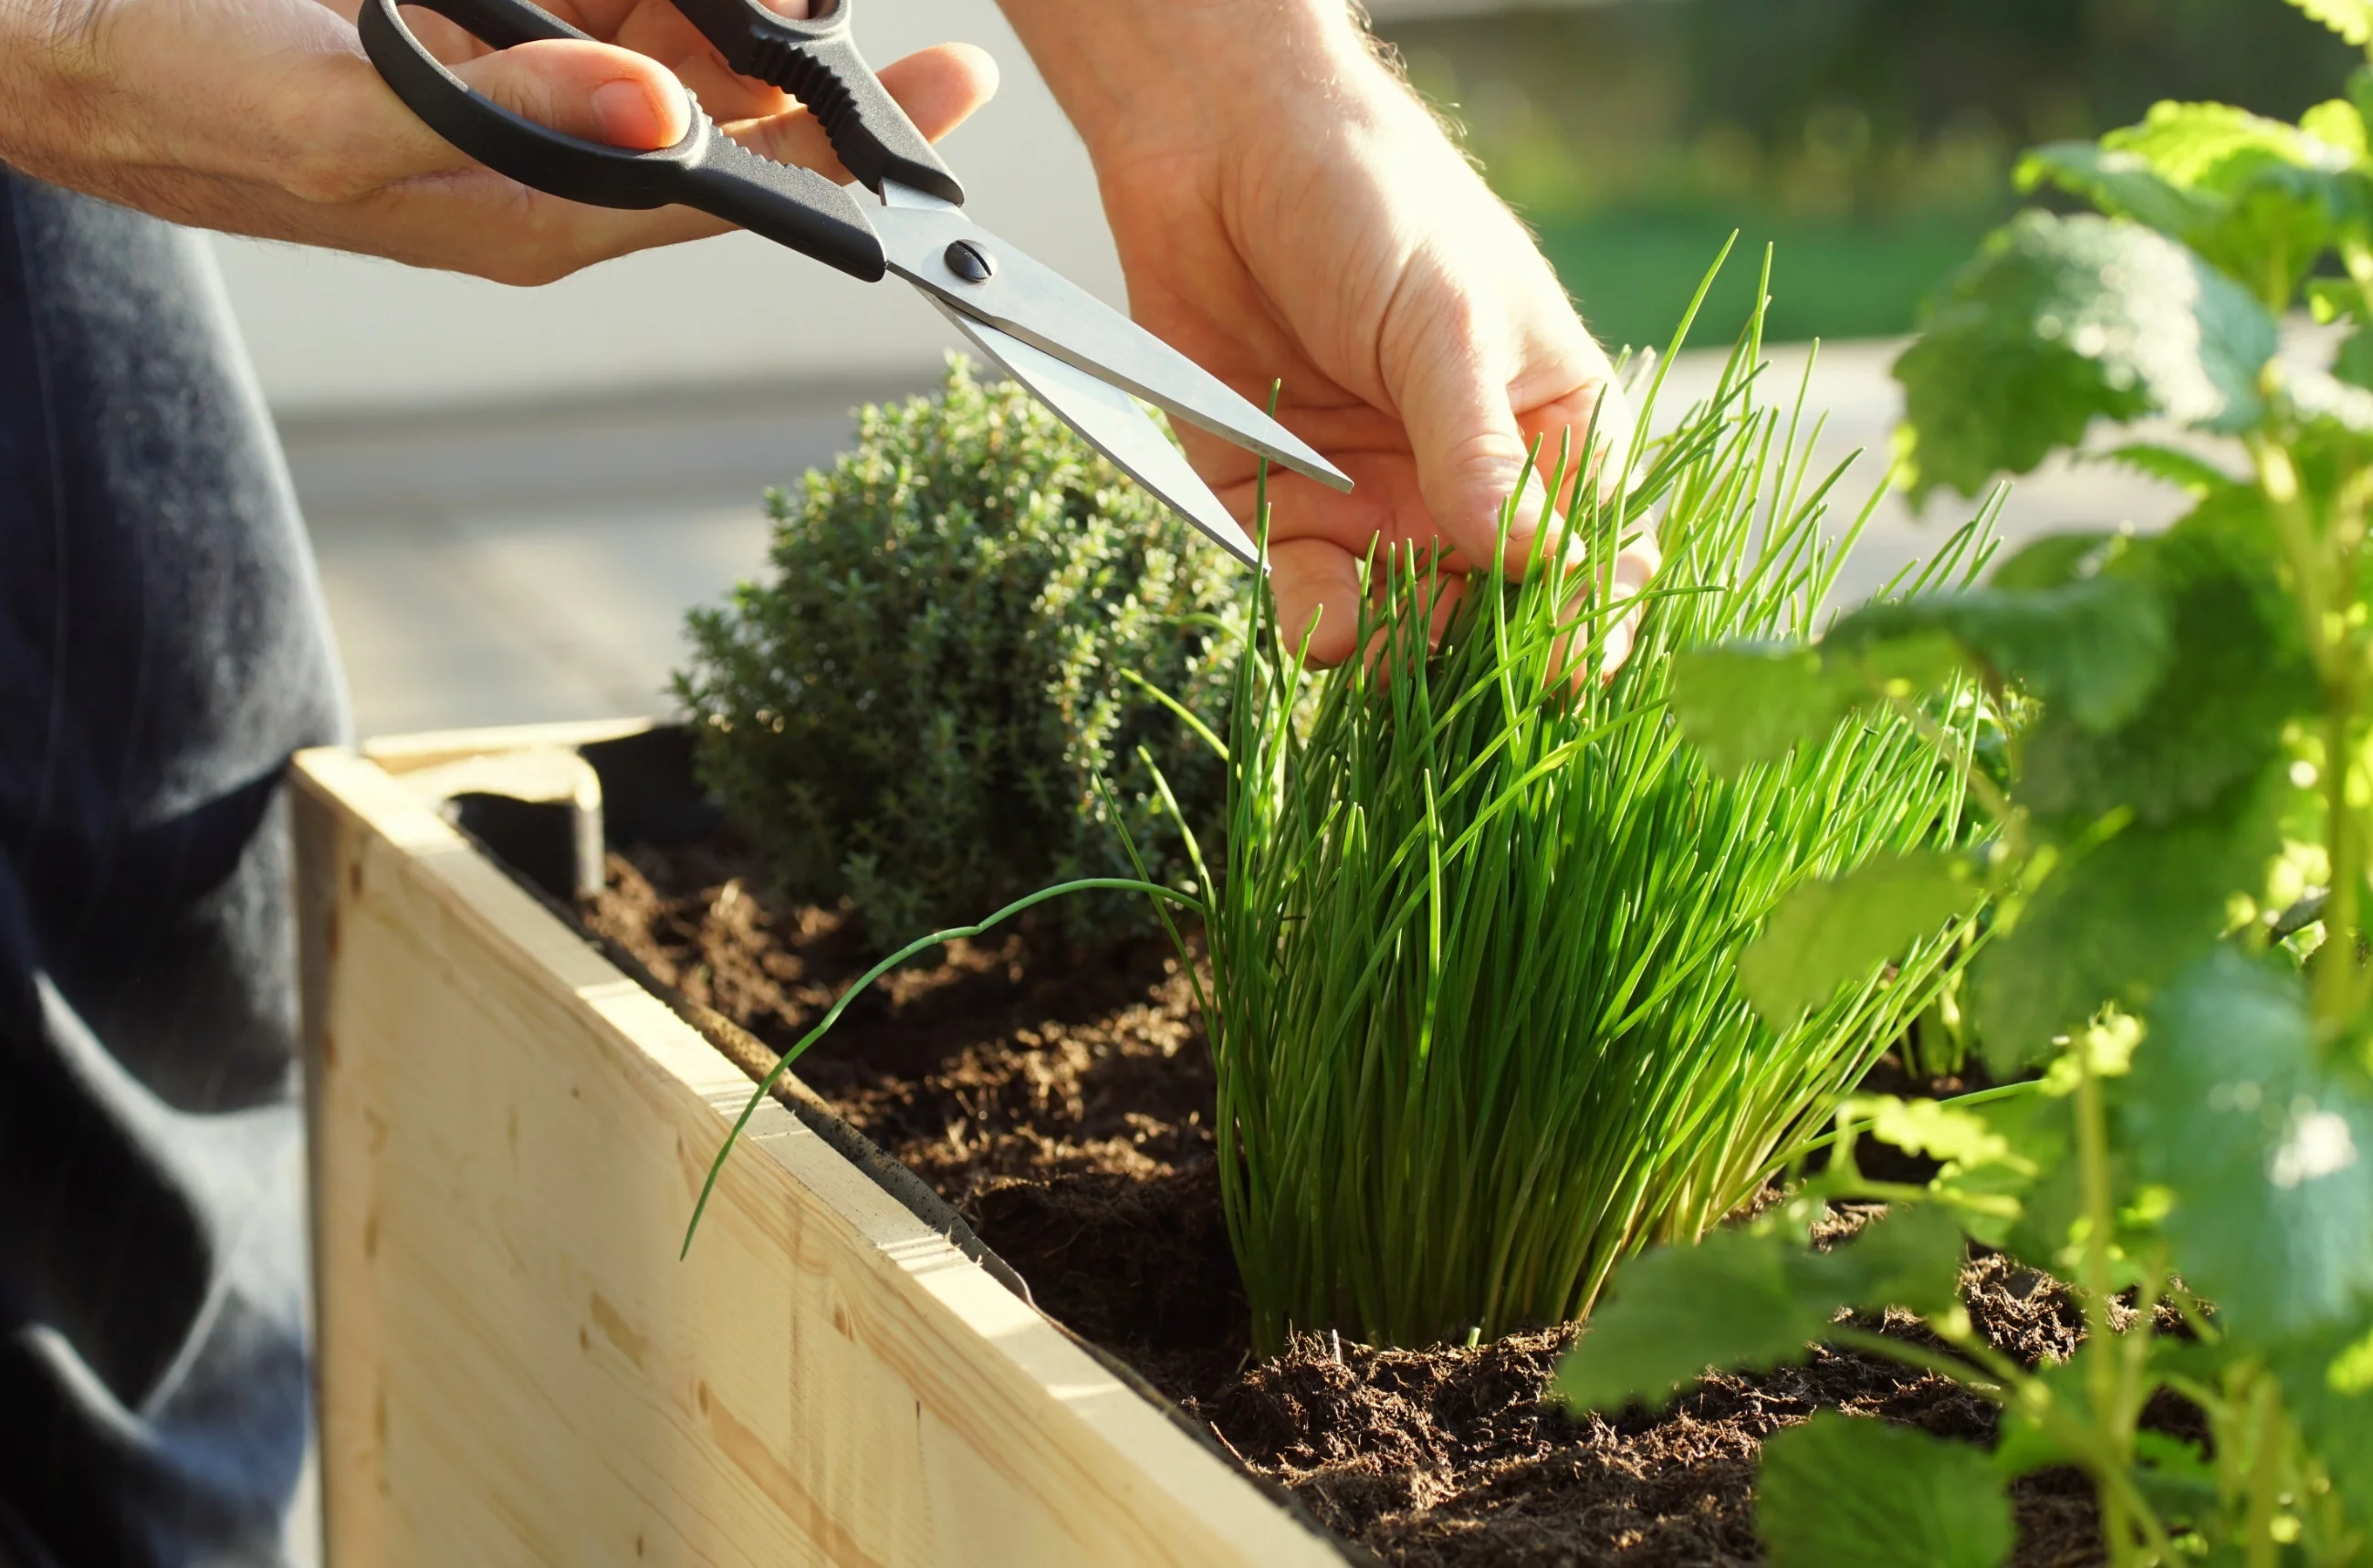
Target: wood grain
[{"x": 515, "y": 1368}]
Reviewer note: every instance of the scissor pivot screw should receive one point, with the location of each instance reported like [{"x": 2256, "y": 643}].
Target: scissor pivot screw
[{"x": 969, "y": 261}]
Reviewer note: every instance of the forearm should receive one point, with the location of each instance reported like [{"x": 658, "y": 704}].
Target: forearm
[{"x": 1155, "y": 72}]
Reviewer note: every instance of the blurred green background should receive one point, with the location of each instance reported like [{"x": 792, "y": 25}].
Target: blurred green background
[{"x": 1871, "y": 140}]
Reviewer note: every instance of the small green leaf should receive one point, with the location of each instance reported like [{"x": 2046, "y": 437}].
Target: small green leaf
[
  {"x": 1732, "y": 1300},
  {"x": 2062, "y": 320},
  {"x": 2270, "y": 1157},
  {"x": 1741, "y": 704},
  {"x": 1842, "y": 1492},
  {"x": 1829, "y": 931},
  {"x": 1751, "y": 1297},
  {"x": 1936, "y": 1129},
  {"x": 1912, "y": 1258},
  {"x": 2005, "y": 1165}
]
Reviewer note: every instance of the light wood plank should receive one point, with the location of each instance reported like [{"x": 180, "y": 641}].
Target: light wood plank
[
  {"x": 434, "y": 748},
  {"x": 515, "y": 1367}
]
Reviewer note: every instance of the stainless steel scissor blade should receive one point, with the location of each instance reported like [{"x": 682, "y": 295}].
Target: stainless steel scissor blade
[
  {"x": 1110, "y": 420},
  {"x": 925, "y": 239}
]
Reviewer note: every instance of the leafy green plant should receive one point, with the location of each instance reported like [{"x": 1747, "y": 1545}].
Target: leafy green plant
[
  {"x": 2178, "y": 863},
  {"x": 1475, "y": 1031},
  {"x": 914, "y": 710}
]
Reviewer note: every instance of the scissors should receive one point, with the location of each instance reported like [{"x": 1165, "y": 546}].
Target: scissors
[{"x": 1073, "y": 353}]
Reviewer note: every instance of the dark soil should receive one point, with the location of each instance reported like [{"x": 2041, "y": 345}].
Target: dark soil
[{"x": 1060, "y": 1103}]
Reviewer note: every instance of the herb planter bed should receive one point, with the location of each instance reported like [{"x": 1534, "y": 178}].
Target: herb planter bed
[
  {"x": 507, "y": 1133},
  {"x": 516, "y": 1368}
]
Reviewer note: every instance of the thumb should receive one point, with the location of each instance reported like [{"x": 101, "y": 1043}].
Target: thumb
[
  {"x": 1470, "y": 454},
  {"x": 596, "y": 91}
]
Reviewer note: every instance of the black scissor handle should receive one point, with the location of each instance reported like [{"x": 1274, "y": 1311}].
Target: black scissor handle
[
  {"x": 706, "y": 169},
  {"x": 816, "y": 61}
]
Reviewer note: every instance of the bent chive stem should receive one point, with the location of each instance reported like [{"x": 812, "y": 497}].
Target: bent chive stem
[{"x": 832, "y": 1014}]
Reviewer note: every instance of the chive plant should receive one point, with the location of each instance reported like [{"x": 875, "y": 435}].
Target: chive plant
[{"x": 1473, "y": 932}]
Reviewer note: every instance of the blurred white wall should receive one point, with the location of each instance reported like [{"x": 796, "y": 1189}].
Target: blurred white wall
[{"x": 333, "y": 332}]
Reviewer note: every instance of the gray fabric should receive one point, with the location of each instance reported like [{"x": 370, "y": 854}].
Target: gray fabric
[{"x": 162, "y": 650}]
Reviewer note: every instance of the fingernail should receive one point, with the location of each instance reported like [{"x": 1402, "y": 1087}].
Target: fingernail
[
  {"x": 1532, "y": 505},
  {"x": 627, "y": 115},
  {"x": 1618, "y": 646}
]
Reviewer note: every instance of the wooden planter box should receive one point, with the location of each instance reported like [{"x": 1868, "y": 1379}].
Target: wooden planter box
[{"x": 508, "y": 1135}]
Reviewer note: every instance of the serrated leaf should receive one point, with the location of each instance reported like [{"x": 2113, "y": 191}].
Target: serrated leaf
[
  {"x": 2181, "y": 469},
  {"x": 2093, "y": 647},
  {"x": 2352, "y": 20},
  {"x": 2214, "y": 147},
  {"x": 2270, "y": 1158},
  {"x": 1830, "y": 931},
  {"x": 1751, "y": 1297},
  {"x": 2119, "y": 921},
  {"x": 2062, "y": 320},
  {"x": 1843, "y": 1491},
  {"x": 1936, "y": 1129}
]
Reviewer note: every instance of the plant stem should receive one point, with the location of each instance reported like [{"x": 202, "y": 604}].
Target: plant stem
[
  {"x": 2102, "y": 1379},
  {"x": 2259, "y": 1547},
  {"x": 2317, "y": 568},
  {"x": 2336, "y": 970}
]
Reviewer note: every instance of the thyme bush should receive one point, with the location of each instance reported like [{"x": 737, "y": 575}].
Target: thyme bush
[{"x": 914, "y": 707}]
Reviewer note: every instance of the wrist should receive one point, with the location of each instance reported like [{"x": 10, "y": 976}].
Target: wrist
[{"x": 1165, "y": 74}]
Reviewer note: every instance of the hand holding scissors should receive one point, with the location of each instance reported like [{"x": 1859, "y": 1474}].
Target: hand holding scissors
[{"x": 1077, "y": 356}]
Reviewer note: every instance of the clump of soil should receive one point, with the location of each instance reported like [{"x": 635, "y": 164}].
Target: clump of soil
[{"x": 1061, "y": 1102}]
